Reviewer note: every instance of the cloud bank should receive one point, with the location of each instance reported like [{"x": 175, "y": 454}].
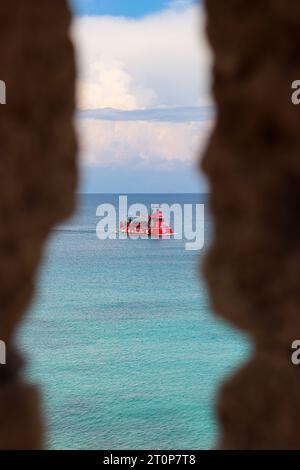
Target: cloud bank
[
  {"x": 141, "y": 143},
  {"x": 177, "y": 114},
  {"x": 143, "y": 85},
  {"x": 159, "y": 60}
]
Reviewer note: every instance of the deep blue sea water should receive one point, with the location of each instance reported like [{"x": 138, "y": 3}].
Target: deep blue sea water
[{"x": 122, "y": 340}]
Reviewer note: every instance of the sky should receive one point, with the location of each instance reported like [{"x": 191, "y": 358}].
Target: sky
[
  {"x": 125, "y": 8},
  {"x": 144, "y": 110}
]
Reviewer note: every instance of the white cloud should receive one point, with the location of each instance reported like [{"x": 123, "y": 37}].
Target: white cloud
[
  {"x": 162, "y": 59},
  {"x": 154, "y": 74},
  {"x": 109, "y": 86},
  {"x": 114, "y": 144}
]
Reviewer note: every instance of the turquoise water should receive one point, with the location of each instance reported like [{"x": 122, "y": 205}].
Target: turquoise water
[{"x": 122, "y": 340}]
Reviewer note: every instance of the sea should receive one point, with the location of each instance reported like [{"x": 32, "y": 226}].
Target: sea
[{"x": 121, "y": 337}]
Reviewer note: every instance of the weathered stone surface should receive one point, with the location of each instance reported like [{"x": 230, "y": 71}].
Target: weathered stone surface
[
  {"x": 260, "y": 405},
  {"x": 253, "y": 164},
  {"x": 37, "y": 177}
]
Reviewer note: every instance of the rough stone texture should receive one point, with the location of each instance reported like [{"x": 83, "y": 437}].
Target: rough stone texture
[
  {"x": 253, "y": 164},
  {"x": 37, "y": 179}
]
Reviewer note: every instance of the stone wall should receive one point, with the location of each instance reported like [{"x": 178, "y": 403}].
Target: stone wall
[
  {"x": 253, "y": 164},
  {"x": 37, "y": 180}
]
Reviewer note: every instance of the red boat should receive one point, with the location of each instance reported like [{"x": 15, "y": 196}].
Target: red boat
[{"x": 154, "y": 227}]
